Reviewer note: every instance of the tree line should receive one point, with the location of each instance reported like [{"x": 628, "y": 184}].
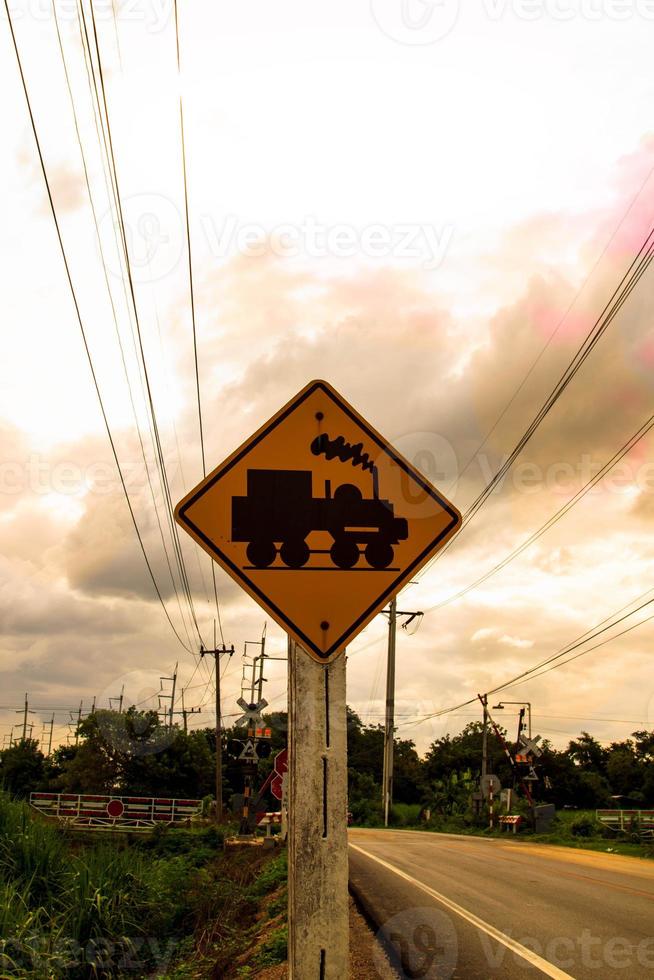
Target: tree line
[{"x": 134, "y": 754}]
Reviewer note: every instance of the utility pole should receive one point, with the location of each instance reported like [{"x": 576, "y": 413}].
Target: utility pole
[
  {"x": 119, "y": 699},
  {"x": 484, "y": 736},
  {"x": 317, "y": 820},
  {"x": 185, "y": 712},
  {"x": 168, "y": 712},
  {"x": 254, "y": 683},
  {"x": 262, "y": 656},
  {"x": 25, "y": 711},
  {"x": 79, "y": 719},
  {"x": 25, "y": 718},
  {"x": 51, "y": 731},
  {"x": 387, "y": 778},
  {"x": 389, "y": 728},
  {"x": 172, "y": 697},
  {"x": 215, "y": 653}
]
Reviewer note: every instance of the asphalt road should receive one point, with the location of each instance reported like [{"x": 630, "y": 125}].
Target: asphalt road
[{"x": 472, "y": 908}]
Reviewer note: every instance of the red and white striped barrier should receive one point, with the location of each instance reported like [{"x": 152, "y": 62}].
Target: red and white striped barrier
[{"x": 98, "y": 812}]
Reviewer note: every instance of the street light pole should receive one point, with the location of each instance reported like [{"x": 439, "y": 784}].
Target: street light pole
[
  {"x": 387, "y": 778},
  {"x": 389, "y": 728},
  {"x": 522, "y": 704},
  {"x": 484, "y": 738}
]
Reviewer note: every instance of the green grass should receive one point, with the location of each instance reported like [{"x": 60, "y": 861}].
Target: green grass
[
  {"x": 273, "y": 951},
  {"x": 93, "y": 907},
  {"x": 171, "y": 904}
]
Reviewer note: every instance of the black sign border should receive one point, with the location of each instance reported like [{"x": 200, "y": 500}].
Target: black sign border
[{"x": 392, "y": 590}]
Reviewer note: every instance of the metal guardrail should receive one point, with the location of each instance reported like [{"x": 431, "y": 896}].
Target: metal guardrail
[
  {"x": 85, "y": 811},
  {"x": 640, "y": 822}
]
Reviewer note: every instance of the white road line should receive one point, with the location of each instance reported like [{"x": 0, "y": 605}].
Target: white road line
[{"x": 527, "y": 954}]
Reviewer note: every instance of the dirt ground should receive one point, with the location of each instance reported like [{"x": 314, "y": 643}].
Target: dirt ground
[{"x": 367, "y": 960}]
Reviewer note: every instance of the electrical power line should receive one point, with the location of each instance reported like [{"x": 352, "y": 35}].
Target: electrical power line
[
  {"x": 111, "y": 300},
  {"x": 80, "y": 321},
  {"x": 551, "y": 337},
  {"x": 101, "y": 106},
  {"x": 104, "y": 109},
  {"x": 192, "y": 296},
  {"x": 123, "y": 257},
  {"x": 551, "y": 521},
  {"x": 627, "y": 284},
  {"x": 537, "y": 669}
]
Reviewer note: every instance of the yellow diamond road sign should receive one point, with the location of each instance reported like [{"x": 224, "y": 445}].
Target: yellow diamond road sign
[{"x": 319, "y": 519}]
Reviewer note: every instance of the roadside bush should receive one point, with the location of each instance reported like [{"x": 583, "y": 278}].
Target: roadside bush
[
  {"x": 586, "y": 826},
  {"x": 405, "y": 814}
]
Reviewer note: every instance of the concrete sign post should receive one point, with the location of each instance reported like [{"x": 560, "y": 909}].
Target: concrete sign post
[{"x": 317, "y": 819}]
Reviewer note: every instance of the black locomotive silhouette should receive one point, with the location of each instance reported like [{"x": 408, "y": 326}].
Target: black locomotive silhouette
[{"x": 280, "y": 509}]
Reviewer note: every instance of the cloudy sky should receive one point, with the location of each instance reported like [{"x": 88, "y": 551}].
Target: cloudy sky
[{"x": 420, "y": 203}]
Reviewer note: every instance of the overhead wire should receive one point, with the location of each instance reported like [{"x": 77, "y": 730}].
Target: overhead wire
[
  {"x": 633, "y": 440},
  {"x": 102, "y": 110},
  {"x": 78, "y": 315},
  {"x": 621, "y": 293},
  {"x": 560, "y": 323},
  {"x": 627, "y": 284},
  {"x": 584, "y": 638},
  {"x": 583, "y": 653},
  {"x": 113, "y": 305},
  {"x": 196, "y": 551},
  {"x": 192, "y": 294},
  {"x": 121, "y": 225},
  {"x": 101, "y": 124}
]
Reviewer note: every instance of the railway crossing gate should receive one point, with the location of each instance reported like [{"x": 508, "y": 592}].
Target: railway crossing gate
[{"x": 114, "y": 813}]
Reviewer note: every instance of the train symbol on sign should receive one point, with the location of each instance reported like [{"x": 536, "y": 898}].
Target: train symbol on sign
[{"x": 280, "y": 510}]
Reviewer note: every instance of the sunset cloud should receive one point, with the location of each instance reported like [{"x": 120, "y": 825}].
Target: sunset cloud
[{"x": 536, "y": 226}]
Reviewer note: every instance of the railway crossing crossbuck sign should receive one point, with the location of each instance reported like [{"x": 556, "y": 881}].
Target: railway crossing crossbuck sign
[{"x": 319, "y": 519}]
